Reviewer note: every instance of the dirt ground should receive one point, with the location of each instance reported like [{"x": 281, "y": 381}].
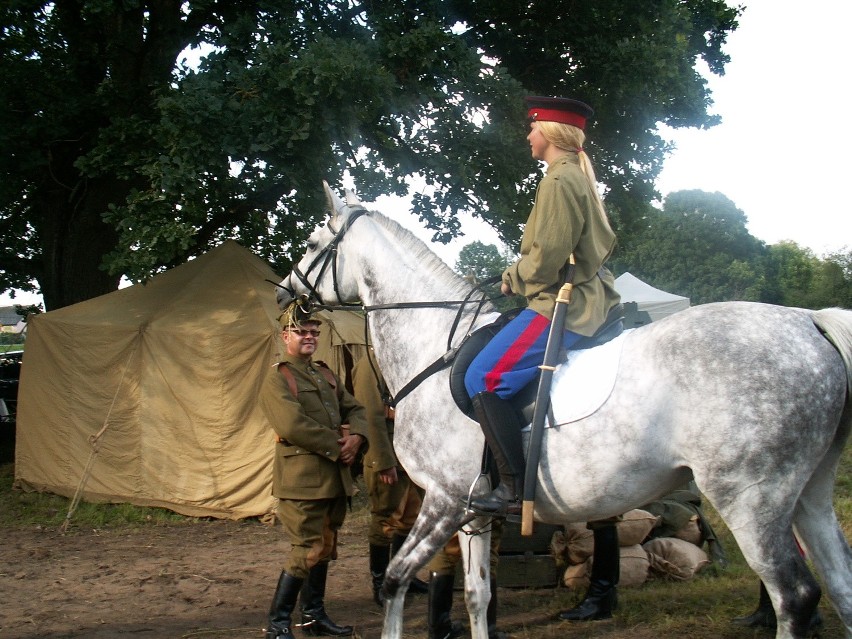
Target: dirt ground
[
  {"x": 214, "y": 579},
  {"x": 208, "y": 579},
  {"x": 205, "y": 579}
]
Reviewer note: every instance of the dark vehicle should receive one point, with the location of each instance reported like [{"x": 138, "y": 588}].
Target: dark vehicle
[{"x": 10, "y": 373}]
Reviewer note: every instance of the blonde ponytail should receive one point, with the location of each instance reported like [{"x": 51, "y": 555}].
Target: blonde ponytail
[{"x": 571, "y": 138}]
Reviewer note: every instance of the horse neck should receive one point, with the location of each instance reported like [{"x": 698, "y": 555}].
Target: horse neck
[{"x": 395, "y": 269}]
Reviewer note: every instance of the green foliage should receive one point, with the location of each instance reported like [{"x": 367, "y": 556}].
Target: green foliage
[
  {"x": 119, "y": 161},
  {"x": 698, "y": 245},
  {"x": 479, "y": 262}
]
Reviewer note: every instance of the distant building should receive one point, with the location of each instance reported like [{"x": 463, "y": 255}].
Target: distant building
[{"x": 10, "y": 321}]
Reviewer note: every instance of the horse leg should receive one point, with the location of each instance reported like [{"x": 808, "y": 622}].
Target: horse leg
[
  {"x": 475, "y": 542},
  {"x": 439, "y": 518},
  {"x": 769, "y": 547},
  {"x": 817, "y": 526}
]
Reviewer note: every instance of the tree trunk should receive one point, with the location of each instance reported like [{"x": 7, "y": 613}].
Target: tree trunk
[{"x": 74, "y": 240}]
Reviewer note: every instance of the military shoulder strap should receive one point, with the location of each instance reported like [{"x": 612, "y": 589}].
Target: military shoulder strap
[{"x": 291, "y": 379}]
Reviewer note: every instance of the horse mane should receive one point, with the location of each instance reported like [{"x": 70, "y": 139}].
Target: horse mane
[{"x": 439, "y": 270}]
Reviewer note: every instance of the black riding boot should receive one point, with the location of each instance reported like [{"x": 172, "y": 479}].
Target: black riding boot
[
  {"x": 600, "y": 599},
  {"x": 379, "y": 559},
  {"x": 502, "y": 430},
  {"x": 283, "y": 602},
  {"x": 440, "y": 626},
  {"x": 491, "y": 614},
  {"x": 417, "y": 586},
  {"x": 315, "y": 621},
  {"x": 764, "y": 615}
]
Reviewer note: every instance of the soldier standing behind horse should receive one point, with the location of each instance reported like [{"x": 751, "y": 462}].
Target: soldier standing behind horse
[
  {"x": 568, "y": 218},
  {"x": 320, "y": 429},
  {"x": 394, "y": 499}
]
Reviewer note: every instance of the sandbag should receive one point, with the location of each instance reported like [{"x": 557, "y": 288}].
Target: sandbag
[
  {"x": 634, "y": 566},
  {"x": 635, "y": 526},
  {"x": 574, "y": 545},
  {"x": 673, "y": 558},
  {"x": 691, "y": 532},
  {"x": 633, "y": 562},
  {"x": 576, "y": 576}
]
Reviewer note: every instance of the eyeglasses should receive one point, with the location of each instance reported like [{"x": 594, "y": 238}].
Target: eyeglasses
[{"x": 304, "y": 332}]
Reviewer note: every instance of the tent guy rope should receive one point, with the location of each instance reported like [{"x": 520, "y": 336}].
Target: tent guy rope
[{"x": 94, "y": 442}]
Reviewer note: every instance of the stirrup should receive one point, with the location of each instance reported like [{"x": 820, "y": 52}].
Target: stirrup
[{"x": 469, "y": 509}]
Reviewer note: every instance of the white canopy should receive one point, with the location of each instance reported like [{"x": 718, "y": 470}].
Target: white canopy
[{"x": 656, "y": 303}]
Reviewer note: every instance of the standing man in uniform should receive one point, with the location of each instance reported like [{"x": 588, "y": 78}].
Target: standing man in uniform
[
  {"x": 320, "y": 429},
  {"x": 394, "y": 499}
]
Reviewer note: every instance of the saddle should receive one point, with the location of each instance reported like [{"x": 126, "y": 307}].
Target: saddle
[{"x": 524, "y": 401}]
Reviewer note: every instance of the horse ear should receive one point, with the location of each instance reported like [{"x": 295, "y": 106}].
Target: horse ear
[
  {"x": 334, "y": 202},
  {"x": 352, "y": 199}
]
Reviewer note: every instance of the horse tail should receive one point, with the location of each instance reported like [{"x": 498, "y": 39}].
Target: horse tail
[{"x": 836, "y": 325}]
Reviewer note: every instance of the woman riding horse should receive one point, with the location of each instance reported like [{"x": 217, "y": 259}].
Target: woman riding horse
[{"x": 568, "y": 218}]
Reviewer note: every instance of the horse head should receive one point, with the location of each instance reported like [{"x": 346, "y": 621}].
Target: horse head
[{"x": 318, "y": 275}]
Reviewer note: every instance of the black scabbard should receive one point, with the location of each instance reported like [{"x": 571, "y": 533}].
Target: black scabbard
[{"x": 542, "y": 400}]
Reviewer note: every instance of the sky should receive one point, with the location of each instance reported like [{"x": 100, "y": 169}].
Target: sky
[{"x": 780, "y": 152}]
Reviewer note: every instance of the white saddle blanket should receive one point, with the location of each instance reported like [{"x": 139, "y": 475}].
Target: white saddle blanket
[{"x": 583, "y": 383}]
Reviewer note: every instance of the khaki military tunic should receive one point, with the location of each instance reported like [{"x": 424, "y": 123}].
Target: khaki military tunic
[
  {"x": 565, "y": 219},
  {"x": 308, "y": 427},
  {"x": 310, "y": 482},
  {"x": 393, "y": 508}
]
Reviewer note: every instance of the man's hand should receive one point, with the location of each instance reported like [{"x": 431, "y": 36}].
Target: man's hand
[
  {"x": 506, "y": 289},
  {"x": 389, "y": 476},
  {"x": 349, "y": 447}
]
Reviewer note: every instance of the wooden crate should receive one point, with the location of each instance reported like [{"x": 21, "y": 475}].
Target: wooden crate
[
  {"x": 525, "y": 562},
  {"x": 513, "y": 542}
]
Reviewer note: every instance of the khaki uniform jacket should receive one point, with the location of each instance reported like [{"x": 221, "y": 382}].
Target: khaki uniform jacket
[
  {"x": 308, "y": 428},
  {"x": 380, "y": 455},
  {"x": 565, "y": 219}
]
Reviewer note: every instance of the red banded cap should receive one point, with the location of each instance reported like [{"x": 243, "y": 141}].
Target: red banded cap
[{"x": 564, "y": 110}]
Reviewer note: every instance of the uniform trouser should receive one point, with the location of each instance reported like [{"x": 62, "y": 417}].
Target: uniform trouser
[
  {"x": 445, "y": 560},
  {"x": 512, "y": 358},
  {"x": 311, "y": 525},
  {"x": 393, "y": 508}
]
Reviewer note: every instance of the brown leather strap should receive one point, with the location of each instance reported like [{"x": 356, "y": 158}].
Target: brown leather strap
[{"x": 291, "y": 379}]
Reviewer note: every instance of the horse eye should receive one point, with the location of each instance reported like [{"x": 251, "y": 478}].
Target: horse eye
[{"x": 312, "y": 245}]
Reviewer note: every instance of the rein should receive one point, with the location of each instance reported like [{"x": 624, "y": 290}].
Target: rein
[
  {"x": 328, "y": 255},
  {"x": 444, "y": 360}
]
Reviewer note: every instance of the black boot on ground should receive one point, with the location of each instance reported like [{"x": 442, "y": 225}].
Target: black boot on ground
[
  {"x": 315, "y": 621},
  {"x": 440, "y": 625},
  {"x": 417, "y": 586},
  {"x": 283, "y": 603},
  {"x": 764, "y": 615},
  {"x": 600, "y": 599},
  {"x": 502, "y": 429},
  {"x": 379, "y": 559}
]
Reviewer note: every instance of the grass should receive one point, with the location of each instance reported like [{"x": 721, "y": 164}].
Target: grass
[{"x": 20, "y": 508}]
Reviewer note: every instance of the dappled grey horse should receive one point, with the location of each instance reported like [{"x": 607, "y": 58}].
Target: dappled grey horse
[{"x": 749, "y": 399}]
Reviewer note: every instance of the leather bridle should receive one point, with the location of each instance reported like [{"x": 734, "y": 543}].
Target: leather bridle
[{"x": 327, "y": 257}]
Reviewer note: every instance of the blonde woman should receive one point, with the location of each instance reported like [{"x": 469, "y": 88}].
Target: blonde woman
[{"x": 567, "y": 218}]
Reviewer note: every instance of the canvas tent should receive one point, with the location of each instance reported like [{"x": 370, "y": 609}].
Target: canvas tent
[
  {"x": 656, "y": 303},
  {"x": 170, "y": 371}
]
